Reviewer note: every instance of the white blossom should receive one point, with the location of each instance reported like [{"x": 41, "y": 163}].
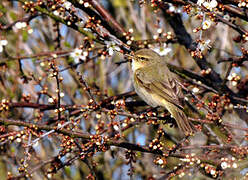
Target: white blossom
[
  {"x": 160, "y": 30},
  {"x": 179, "y": 10},
  {"x": 30, "y": 31},
  {"x": 200, "y": 2},
  {"x": 77, "y": 55},
  {"x": 213, "y": 4},
  {"x": 124, "y": 124},
  {"x": 20, "y": 25},
  {"x": 3, "y": 42},
  {"x": 212, "y": 172},
  {"x": 50, "y": 100},
  {"x": 67, "y": 5},
  {"x": 172, "y": 8},
  {"x": 234, "y": 83},
  {"x": 112, "y": 47},
  {"x": 116, "y": 127},
  {"x": 224, "y": 165},
  {"x": 203, "y": 45},
  {"x": 206, "y": 24},
  {"x": 162, "y": 51},
  {"x": 56, "y": 13},
  {"x": 130, "y": 30},
  {"x": 195, "y": 90},
  {"x": 24, "y": 24},
  {"x": 210, "y": 5},
  {"x": 155, "y": 36},
  {"x": 226, "y": 17},
  {"x": 160, "y": 161},
  {"x": 86, "y": 4},
  {"x": 234, "y": 165},
  {"x": 129, "y": 42}
]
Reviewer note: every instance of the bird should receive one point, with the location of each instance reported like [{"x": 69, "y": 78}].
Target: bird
[{"x": 158, "y": 86}]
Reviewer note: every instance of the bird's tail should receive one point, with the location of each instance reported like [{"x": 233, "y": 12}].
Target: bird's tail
[{"x": 181, "y": 119}]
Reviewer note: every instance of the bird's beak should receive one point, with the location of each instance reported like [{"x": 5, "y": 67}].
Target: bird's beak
[{"x": 129, "y": 57}]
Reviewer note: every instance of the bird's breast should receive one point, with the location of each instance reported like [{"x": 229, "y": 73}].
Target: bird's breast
[{"x": 150, "y": 98}]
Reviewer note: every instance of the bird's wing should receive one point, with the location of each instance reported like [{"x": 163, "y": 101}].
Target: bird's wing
[{"x": 165, "y": 85}]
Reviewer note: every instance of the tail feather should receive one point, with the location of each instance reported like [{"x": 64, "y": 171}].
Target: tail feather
[{"x": 182, "y": 120}]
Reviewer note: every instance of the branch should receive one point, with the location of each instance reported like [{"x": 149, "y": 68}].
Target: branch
[
  {"x": 106, "y": 19},
  {"x": 74, "y": 134},
  {"x": 213, "y": 79},
  {"x": 118, "y": 30},
  {"x": 72, "y": 25},
  {"x": 26, "y": 19}
]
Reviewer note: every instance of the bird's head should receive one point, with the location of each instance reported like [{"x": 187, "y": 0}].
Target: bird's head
[{"x": 143, "y": 58}]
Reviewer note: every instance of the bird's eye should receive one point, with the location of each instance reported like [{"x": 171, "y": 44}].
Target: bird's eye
[{"x": 142, "y": 58}]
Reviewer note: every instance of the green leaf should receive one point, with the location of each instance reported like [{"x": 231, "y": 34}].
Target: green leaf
[
  {"x": 119, "y": 3},
  {"x": 51, "y": 47},
  {"x": 70, "y": 60},
  {"x": 67, "y": 44},
  {"x": 13, "y": 16},
  {"x": 12, "y": 149},
  {"x": 24, "y": 35},
  {"x": 68, "y": 171},
  {"x": 3, "y": 9}
]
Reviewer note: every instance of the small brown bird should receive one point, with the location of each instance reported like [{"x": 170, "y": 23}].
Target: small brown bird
[{"x": 158, "y": 86}]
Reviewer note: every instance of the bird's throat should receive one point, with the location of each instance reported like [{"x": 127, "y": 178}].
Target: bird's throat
[{"x": 136, "y": 65}]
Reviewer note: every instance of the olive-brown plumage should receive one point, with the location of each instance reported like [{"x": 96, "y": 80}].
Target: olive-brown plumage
[{"x": 158, "y": 86}]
